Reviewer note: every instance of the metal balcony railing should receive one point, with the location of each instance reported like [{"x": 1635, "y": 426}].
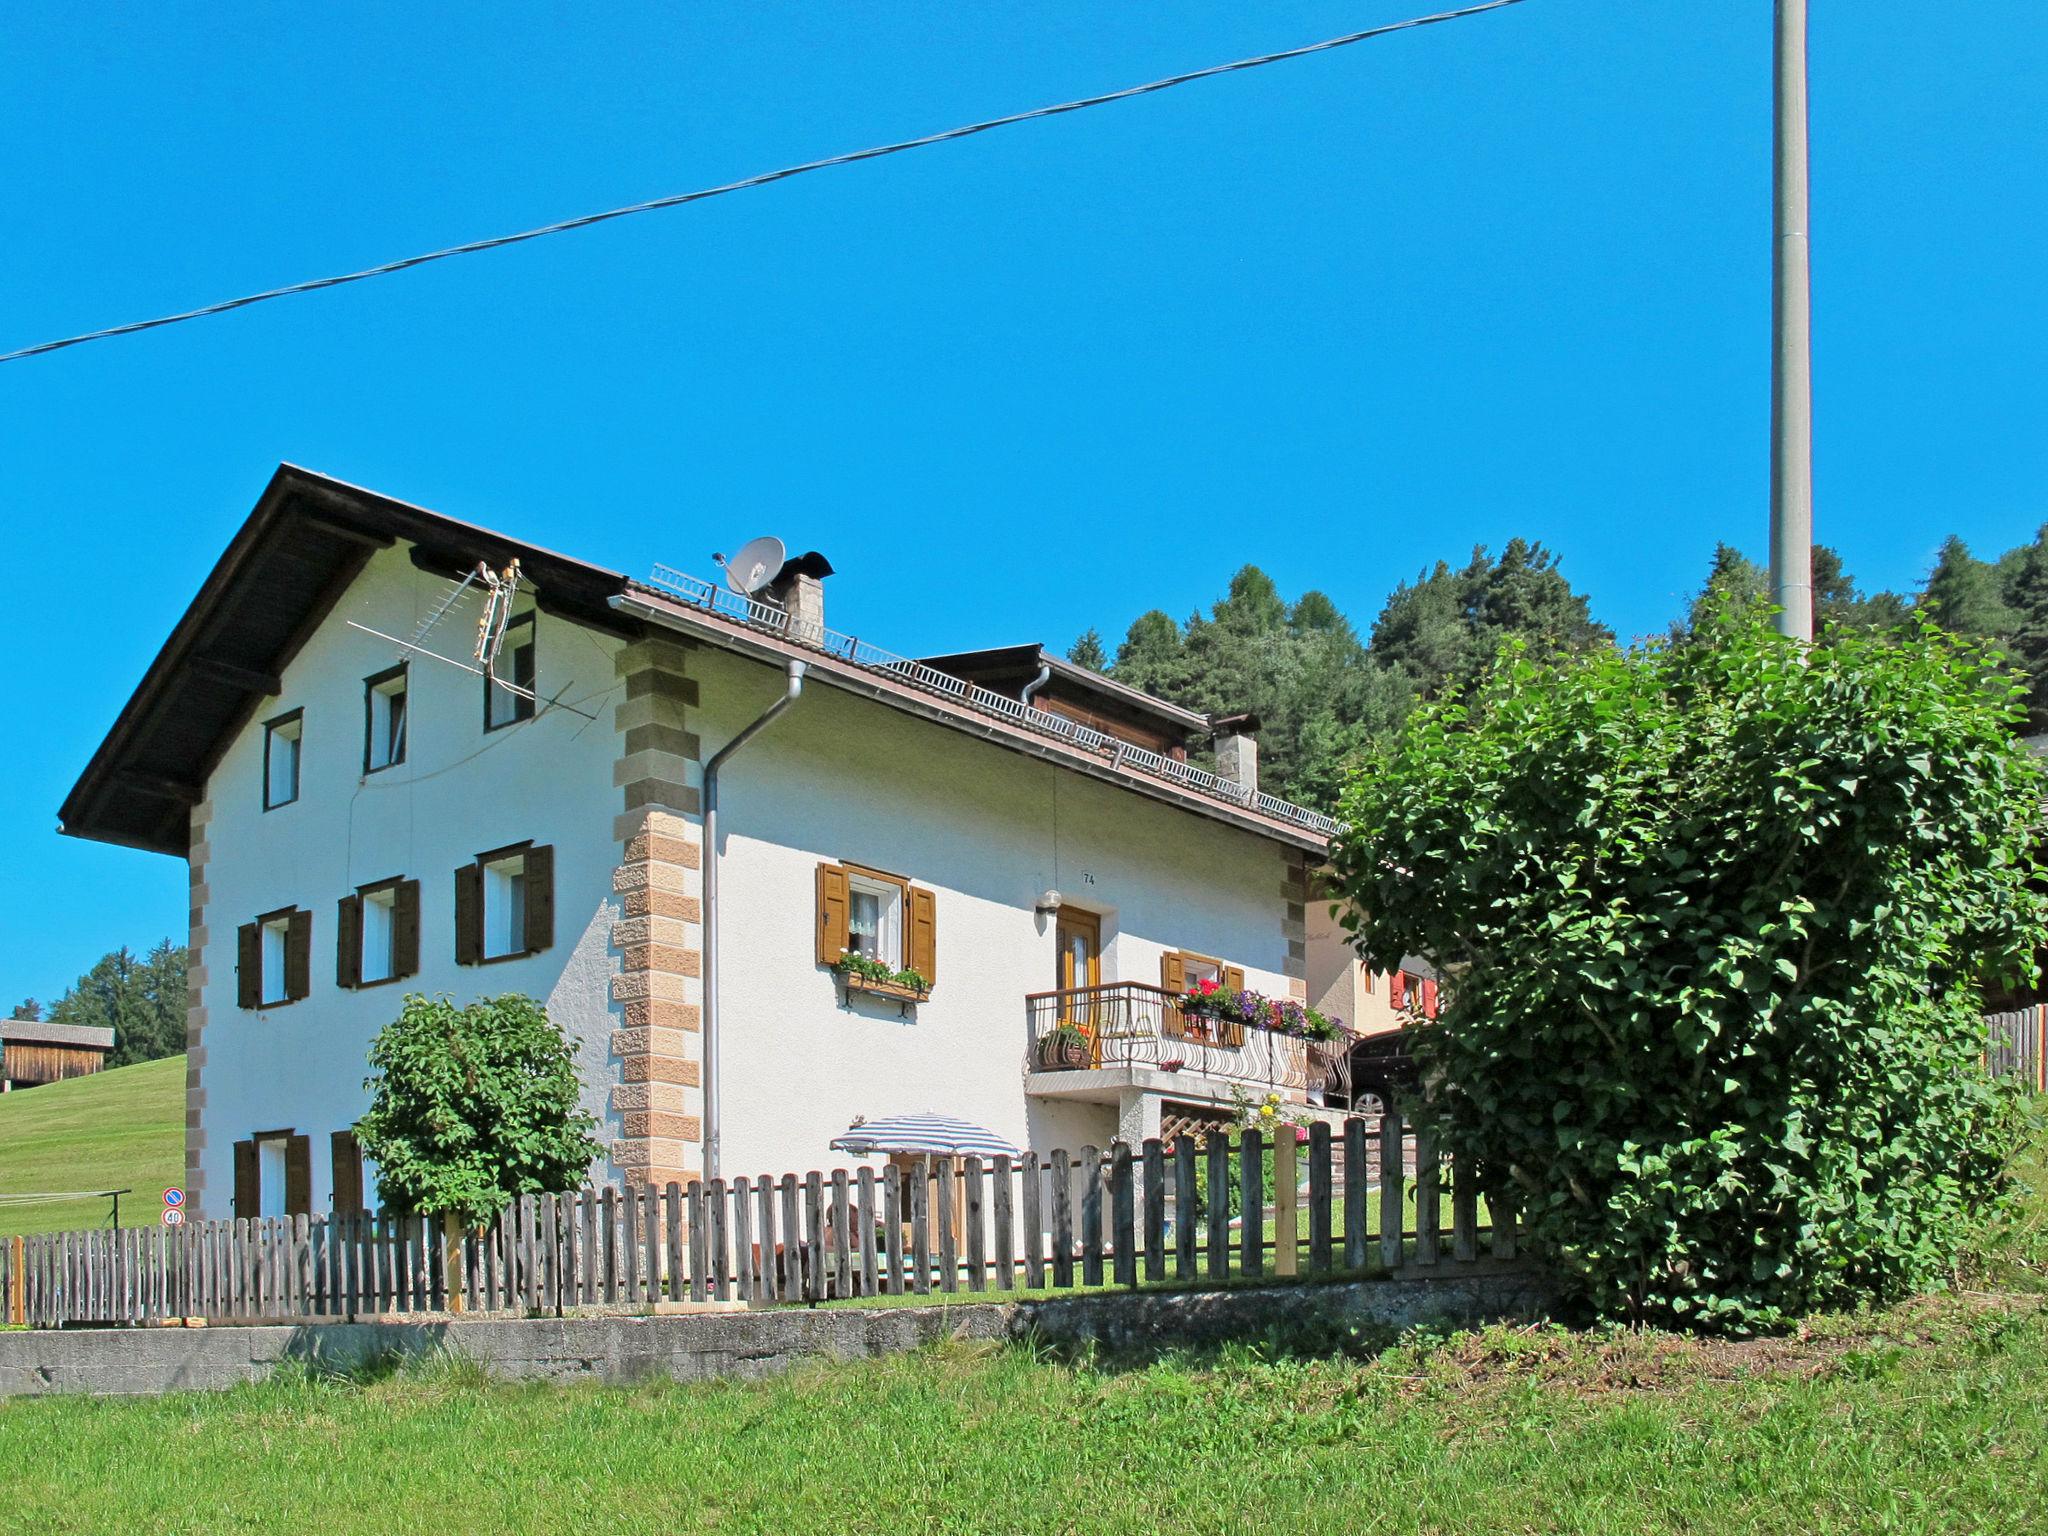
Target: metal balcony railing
[{"x": 1130, "y": 1024}]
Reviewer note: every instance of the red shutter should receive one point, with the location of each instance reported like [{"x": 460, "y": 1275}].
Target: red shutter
[
  {"x": 1397, "y": 990},
  {"x": 1428, "y": 998}
]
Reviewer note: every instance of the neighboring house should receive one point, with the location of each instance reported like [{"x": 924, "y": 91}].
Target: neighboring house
[
  {"x": 362, "y": 821},
  {"x": 1343, "y": 986},
  {"x": 33, "y": 1052}
]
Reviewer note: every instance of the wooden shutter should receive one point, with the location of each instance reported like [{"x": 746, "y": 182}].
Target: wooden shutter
[
  {"x": 1173, "y": 972},
  {"x": 298, "y": 954},
  {"x": 835, "y": 904},
  {"x": 246, "y": 1202},
  {"x": 1397, "y": 990},
  {"x": 922, "y": 943},
  {"x": 298, "y": 1176},
  {"x": 1233, "y": 977},
  {"x": 249, "y": 966},
  {"x": 469, "y": 914},
  {"x": 1428, "y": 998},
  {"x": 345, "y": 1158},
  {"x": 405, "y": 929},
  {"x": 540, "y": 898},
  {"x": 348, "y": 942}
]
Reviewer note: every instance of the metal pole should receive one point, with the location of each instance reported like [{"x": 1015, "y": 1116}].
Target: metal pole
[{"x": 1791, "y": 340}]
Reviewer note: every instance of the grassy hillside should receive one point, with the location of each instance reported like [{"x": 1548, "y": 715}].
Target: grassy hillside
[{"x": 123, "y": 1129}]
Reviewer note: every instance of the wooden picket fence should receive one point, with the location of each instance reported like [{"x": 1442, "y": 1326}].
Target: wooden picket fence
[
  {"x": 2014, "y": 1045},
  {"x": 1371, "y": 1196}
]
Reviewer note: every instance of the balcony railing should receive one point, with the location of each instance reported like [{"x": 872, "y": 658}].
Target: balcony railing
[{"x": 1130, "y": 1024}]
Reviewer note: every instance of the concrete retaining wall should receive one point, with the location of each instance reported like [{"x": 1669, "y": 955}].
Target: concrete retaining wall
[{"x": 745, "y": 1344}]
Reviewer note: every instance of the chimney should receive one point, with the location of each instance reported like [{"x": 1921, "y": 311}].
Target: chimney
[
  {"x": 1237, "y": 751},
  {"x": 799, "y": 590}
]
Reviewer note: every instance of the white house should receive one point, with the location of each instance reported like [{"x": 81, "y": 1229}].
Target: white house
[{"x": 364, "y": 818}]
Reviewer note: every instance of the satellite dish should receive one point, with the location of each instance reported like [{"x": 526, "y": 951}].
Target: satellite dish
[{"x": 754, "y": 566}]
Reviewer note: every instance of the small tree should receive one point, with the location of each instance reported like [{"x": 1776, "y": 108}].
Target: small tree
[
  {"x": 1715, "y": 915},
  {"x": 474, "y": 1106}
]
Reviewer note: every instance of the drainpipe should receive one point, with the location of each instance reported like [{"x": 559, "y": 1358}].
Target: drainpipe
[
  {"x": 1031, "y": 688},
  {"x": 710, "y": 1014}
]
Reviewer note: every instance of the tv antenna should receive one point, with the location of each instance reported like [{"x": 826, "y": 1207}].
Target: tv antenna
[{"x": 757, "y": 563}]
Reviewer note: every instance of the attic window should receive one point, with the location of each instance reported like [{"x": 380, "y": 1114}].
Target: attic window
[
  {"x": 384, "y": 712},
  {"x": 281, "y": 742},
  {"x": 514, "y": 665}
]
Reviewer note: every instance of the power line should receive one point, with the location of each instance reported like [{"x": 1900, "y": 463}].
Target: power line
[{"x": 677, "y": 200}]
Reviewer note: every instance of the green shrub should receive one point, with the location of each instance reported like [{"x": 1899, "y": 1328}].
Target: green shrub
[
  {"x": 472, "y": 1107},
  {"x": 1715, "y": 915}
]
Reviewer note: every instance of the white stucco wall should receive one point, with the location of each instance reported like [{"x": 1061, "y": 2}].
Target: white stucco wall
[
  {"x": 985, "y": 828},
  {"x": 841, "y": 778},
  {"x": 459, "y": 792}
]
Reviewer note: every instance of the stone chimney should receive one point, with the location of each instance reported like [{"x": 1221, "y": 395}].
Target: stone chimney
[
  {"x": 799, "y": 589},
  {"x": 1237, "y": 751}
]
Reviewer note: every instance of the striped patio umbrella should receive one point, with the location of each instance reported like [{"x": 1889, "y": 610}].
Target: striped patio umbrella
[{"x": 937, "y": 1135}]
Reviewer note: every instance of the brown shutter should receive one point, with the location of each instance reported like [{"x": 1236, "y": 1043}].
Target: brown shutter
[
  {"x": 1173, "y": 972},
  {"x": 469, "y": 914},
  {"x": 246, "y": 1202},
  {"x": 346, "y": 1159},
  {"x": 834, "y": 906},
  {"x": 298, "y": 954},
  {"x": 298, "y": 1176},
  {"x": 249, "y": 966},
  {"x": 923, "y": 943},
  {"x": 405, "y": 929},
  {"x": 540, "y": 898},
  {"x": 1233, "y": 977},
  {"x": 348, "y": 942}
]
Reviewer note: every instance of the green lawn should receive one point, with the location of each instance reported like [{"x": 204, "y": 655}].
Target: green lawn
[{"x": 122, "y": 1129}]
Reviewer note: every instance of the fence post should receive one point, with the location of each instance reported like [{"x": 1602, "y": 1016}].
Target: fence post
[
  {"x": 1032, "y": 1215},
  {"x": 451, "y": 1263},
  {"x": 1393, "y": 1175},
  {"x": 944, "y": 1187},
  {"x": 1251, "y": 1216},
  {"x": 1354, "y": 1193},
  {"x": 1319, "y": 1197},
  {"x": 864, "y": 1214},
  {"x": 920, "y": 1229},
  {"x": 892, "y": 1225},
  {"x": 814, "y": 1235},
  {"x": 17, "y": 1282},
  {"x": 1091, "y": 1216},
  {"x": 1062, "y": 1196},
  {"x": 1123, "y": 1214},
  {"x": 792, "y": 1242},
  {"x": 1286, "y": 1202},
  {"x": 1155, "y": 1210},
  {"x": 842, "y": 1236},
  {"x": 1219, "y": 1207},
  {"x": 1464, "y": 1212},
  {"x": 971, "y": 1213},
  {"x": 1428, "y": 1199},
  {"x": 1004, "y": 1211}
]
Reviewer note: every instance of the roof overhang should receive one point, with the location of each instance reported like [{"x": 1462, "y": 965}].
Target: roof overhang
[{"x": 306, "y": 540}]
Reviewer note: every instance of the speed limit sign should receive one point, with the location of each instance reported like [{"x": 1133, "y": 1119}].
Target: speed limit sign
[{"x": 173, "y": 1216}]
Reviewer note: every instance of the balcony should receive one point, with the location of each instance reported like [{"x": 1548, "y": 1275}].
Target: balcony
[{"x": 1090, "y": 1042}]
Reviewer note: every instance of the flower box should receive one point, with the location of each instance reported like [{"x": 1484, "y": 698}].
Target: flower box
[
  {"x": 895, "y": 991},
  {"x": 1064, "y": 1050}
]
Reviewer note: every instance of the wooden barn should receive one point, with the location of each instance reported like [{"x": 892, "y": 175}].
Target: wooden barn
[{"x": 33, "y": 1052}]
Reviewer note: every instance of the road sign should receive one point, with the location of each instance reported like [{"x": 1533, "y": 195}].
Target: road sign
[
  {"x": 173, "y": 1216},
  {"x": 174, "y": 1197}
]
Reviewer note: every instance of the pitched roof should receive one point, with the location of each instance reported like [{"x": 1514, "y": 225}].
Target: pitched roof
[
  {"x": 307, "y": 540},
  {"x": 42, "y": 1032}
]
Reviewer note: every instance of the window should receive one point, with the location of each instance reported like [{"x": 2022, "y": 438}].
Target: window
[
  {"x": 274, "y": 1175},
  {"x": 505, "y": 904},
  {"x": 877, "y": 916},
  {"x": 874, "y": 919},
  {"x": 384, "y": 719},
  {"x": 377, "y": 933},
  {"x": 281, "y": 742},
  {"x": 514, "y": 665},
  {"x": 273, "y": 959}
]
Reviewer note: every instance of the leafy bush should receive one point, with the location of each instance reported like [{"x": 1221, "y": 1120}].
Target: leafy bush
[
  {"x": 474, "y": 1106},
  {"x": 1717, "y": 913}
]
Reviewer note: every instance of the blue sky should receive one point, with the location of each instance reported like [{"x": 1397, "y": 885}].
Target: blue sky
[{"x": 1341, "y": 317}]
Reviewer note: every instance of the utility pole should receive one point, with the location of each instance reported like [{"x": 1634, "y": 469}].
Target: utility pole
[{"x": 1791, "y": 340}]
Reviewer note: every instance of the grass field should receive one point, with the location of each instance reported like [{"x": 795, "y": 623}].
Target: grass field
[
  {"x": 1924, "y": 1418},
  {"x": 121, "y": 1129}
]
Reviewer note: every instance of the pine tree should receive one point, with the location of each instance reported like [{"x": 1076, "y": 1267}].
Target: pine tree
[
  {"x": 1088, "y": 652},
  {"x": 1965, "y": 596}
]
